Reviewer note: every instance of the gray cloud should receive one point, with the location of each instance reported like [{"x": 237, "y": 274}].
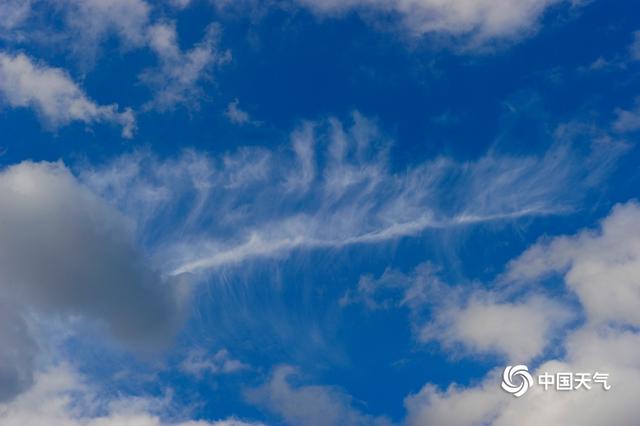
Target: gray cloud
[
  {"x": 64, "y": 252},
  {"x": 17, "y": 352}
]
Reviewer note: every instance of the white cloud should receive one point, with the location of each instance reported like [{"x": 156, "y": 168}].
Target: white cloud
[
  {"x": 307, "y": 404},
  {"x": 180, "y": 4},
  {"x": 351, "y": 194},
  {"x": 90, "y": 22},
  {"x": 627, "y": 120},
  {"x": 465, "y": 319},
  {"x": 85, "y": 25},
  {"x": 13, "y": 13},
  {"x": 518, "y": 330},
  {"x": 601, "y": 267},
  {"x": 176, "y": 79},
  {"x": 198, "y": 363},
  {"x": 54, "y": 96},
  {"x": 480, "y": 20},
  {"x": 235, "y": 114},
  {"x": 63, "y": 398},
  {"x": 486, "y": 404},
  {"x": 66, "y": 253}
]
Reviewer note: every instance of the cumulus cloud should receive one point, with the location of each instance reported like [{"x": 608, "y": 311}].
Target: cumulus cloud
[
  {"x": 334, "y": 187},
  {"x": 65, "y": 398},
  {"x": 65, "y": 253},
  {"x": 465, "y": 319},
  {"x": 54, "y": 96},
  {"x": 600, "y": 268},
  {"x": 480, "y": 21},
  {"x": 176, "y": 79},
  {"x": 518, "y": 330},
  {"x": 309, "y": 405}
]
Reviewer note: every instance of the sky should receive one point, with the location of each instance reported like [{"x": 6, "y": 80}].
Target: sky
[{"x": 317, "y": 212}]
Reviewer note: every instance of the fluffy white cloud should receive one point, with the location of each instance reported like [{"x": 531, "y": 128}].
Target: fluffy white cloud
[
  {"x": 351, "y": 194},
  {"x": 601, "y": 267},
  {"x": 65, "y": 253},
  {"x": 63, "y": 398},
  {"x": 54, "y": 95},
  {"x": 518, "y": 330},
  {"x": 481, "y": 20},
  {"x": 176, "y": 80},
  {"x": 465, "y": 319},
  {"x": 307, "y": 404}
]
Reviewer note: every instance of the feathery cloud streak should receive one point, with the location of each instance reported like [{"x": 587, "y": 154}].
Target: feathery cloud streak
[{"x": 334, "y": 187}]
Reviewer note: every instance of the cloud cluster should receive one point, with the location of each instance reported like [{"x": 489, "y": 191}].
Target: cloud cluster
[
  {"x": 84, "y": 27},
  {"x": 332, "y": 188},
  {"x": 601, "y": 268},
  {"x": 53, "y": 94},
  {"x": 465, "y": 319},
  {"x": 65, "y": 253},
  {"x": 64, "y": 398}
]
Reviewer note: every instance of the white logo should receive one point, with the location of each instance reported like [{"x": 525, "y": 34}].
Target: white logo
[{"x": 521, "y": 374}]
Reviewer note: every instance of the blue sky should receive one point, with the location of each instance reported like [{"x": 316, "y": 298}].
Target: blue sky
[{"x": 308, "y": 212}]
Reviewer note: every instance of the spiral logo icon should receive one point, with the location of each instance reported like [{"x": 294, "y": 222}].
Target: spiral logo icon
[{"x": 520, "y": 375}]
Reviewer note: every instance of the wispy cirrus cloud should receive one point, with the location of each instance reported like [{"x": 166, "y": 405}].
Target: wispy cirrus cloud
[
  {"x": 176, "y": 80},
  {"x": 333, "y": 188}
]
